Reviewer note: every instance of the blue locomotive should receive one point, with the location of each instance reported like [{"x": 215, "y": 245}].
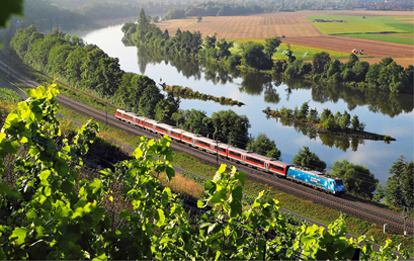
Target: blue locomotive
[{"x": 316, "y": 179}]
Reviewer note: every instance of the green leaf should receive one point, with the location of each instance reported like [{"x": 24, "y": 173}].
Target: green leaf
[
  {"x": 201, "y": 204},
  {"x": 210, "y": 186},
  {"x": 6, "y": 190},
  {"x": 170, "y": 172},
  {"x": 221, "y": 169},
  {"x": 138, "y": 153},
  {"x": 20, "y": 233},
  {"x": 241, "y": 176},
  {"x": 218, "y": 254},
  {"x": 161, "y": 217},
  {"x": 44, "y": 174},
  {"x": 47, "y": 191},
  {"x": 37, "y": 93}
]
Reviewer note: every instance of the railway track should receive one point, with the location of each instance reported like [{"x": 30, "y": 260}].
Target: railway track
[{"x": 345, "y": 204}]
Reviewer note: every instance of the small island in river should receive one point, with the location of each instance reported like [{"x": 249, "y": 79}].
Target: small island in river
[
  {"x": 334, "y": 124},
  {"x": 187, "y": 92}
]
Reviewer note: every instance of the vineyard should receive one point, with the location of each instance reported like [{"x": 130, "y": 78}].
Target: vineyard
[{"x": 58, "y": 210}]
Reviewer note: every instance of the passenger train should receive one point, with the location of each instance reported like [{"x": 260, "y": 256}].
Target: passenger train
[{"x": 315, "y": 179}]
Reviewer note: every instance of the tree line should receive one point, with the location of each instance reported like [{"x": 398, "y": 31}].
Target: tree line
[
  {"x": 386, "y": 75},
  {"x": 88, "y": 68},
  {"x": 214, "y": 9},
  {"x": 253, "y": 55}
]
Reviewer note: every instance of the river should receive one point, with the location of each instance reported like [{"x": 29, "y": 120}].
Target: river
[{"x": 257, "y": 93}]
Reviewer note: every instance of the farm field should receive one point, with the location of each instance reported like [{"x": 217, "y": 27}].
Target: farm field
[
  {"x": 239, "y": 27},
  {"x": 384, "y": 37},
  {"x": 357, "y": 24},
  {"x": 301, "y": 32}
]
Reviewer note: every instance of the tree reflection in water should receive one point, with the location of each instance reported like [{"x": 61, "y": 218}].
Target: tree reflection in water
[
  {"x": 258, "y": 83},
  {"x": 391, "y": 104}
]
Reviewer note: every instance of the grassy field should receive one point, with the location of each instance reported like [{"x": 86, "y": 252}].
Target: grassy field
[
  {"x": 302, "y": 52},
  {"x": 382, "y": 37},
  {"x": 356, "y": 24}
]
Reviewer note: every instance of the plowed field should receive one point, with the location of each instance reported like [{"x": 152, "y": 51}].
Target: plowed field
[
  {"x": 298, "y": 30},
  {"x": 242, "y": 27}
]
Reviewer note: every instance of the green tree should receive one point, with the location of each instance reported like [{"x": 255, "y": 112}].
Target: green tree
[
  {"x": 356, "y": 125},
  {"x": 333, "y": 68},
  {"x": 313, "y": 115},
  {"x": 253, "y": 56},
  {"x": 175, "y": 13},
  {"x": 400, "y": 186},
  {"x": 345, "y": 120},
  {"x": 358, "y": 180},
  {"x": 372, "y": 75},
  {"x": 148, "y": 101},
  {"x": 320, "y": 62},
  {"x": 360, "y": 69},
  {"x": 304, "y": 110},
  {"x": 271, "y": 45},
  {"x": 209, "y": 41},
  {"x": 325, "y": 115},
  {"x": 264, "y": 146},
  {"x": 199, "y": 18},
  {"x": 351, "y": 61},
  {"x": 195, "y": 122},
  {"x": 289, "y": 54},
  {"x": 308, "y": 159},
  {"x": 223, "y": 48},
  {"x": 231, "y": 128}
]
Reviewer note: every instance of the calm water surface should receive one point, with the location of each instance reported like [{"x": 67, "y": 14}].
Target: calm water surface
[{"x": 376, "y": 155}]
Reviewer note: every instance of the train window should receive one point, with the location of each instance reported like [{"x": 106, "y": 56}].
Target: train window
[
  {"x": 202, "y": 143},
  {"x": 161, "y": 129},
  {"x": 234, "y": 154},
  {"x": 221, "y": 150},
  {"x": 339, "y": 182},
  {"x": 187, "y": 138},
  {"x": 149, "y": 125},
  {"x": 139, "y": 121},
  {"x": 276, "y": 168},
  {"x": 128, "y": 117},
  {"x": 254, "y": 160},
  {"x": 118, "y": 113},
  {"x": 175, "y": 133}
]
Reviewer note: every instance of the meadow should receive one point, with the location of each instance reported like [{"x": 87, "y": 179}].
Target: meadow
[
  {"x": 358, "y": 24},
  {"x": 383, "y": 37}
]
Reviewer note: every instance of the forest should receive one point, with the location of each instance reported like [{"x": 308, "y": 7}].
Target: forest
[{"x": 88, "y": 68}]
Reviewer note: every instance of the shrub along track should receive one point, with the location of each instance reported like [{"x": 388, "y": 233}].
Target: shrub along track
[{"x": 350, "y": 206}]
